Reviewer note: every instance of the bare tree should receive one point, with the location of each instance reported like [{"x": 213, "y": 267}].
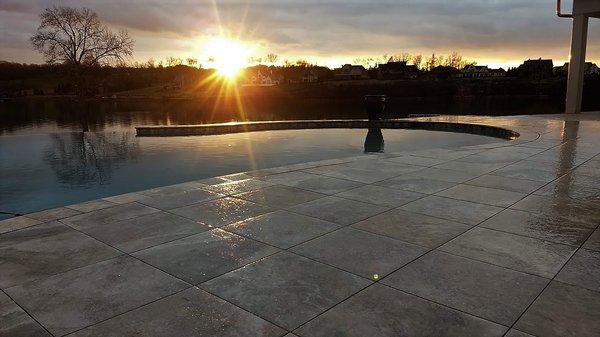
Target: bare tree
[
  {"x": 192, "y": 62},
  {"x": 76, "y": 36},
  {"x": 174, "y": 61},
  {"x": 272, "y": 58},
  {"x": 417, "y": 60}
]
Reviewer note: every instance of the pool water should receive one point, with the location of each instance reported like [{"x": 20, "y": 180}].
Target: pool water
[{"x": 50, "y": 169}]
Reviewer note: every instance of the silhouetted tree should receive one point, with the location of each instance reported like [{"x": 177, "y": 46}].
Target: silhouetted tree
[
  {"x": 76, "y": 36},
  {"x": 192, "y": 62},
  {"x": 417, "y": 60},
  {"x": 272, "y": 58}
]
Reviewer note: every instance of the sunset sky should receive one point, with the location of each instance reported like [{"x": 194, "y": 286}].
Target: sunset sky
[{"x": 330, "y": 32}]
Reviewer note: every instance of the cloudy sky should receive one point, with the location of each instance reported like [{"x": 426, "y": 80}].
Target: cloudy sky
[{"x": 330, "y": 32}]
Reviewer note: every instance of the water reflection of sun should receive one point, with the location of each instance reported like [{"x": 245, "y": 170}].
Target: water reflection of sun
[{"x": 227, "y": 56}]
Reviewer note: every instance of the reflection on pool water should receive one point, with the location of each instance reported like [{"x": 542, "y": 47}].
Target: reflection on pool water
[{"x": 40, "y": 171}]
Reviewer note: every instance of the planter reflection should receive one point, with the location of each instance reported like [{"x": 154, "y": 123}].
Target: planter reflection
[{"x": 374, "y": 141}]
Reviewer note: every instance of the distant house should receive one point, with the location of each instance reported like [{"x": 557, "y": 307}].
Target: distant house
[
  {"x": 536, "y": 69},
  {"x": 473, "y": 71},
  {"x": 350, "y": 72},
  {"x": 396, "y": 70},
  {"x": 264, "y": 78},
  {"x": 444, "y": 72},
  {"x": 590, "y": 69},
  {"x": 310, "y": 76}
]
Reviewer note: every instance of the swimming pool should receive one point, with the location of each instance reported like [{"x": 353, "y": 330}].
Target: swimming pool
[{"x": 43, "y": 169}]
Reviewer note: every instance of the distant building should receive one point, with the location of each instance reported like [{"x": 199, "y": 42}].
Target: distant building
[
  {"x": 473, "y": 71},
  {"x": 444, "y": 72},
  {"x": 536, "y": 69},
  {"x": 350, "y": 72},
  {"x": 310, "y": 76},
  {"x": 396, "y": 70},
  {"x": 590, "y": 69},
  {"x": 264, "y": 78}
]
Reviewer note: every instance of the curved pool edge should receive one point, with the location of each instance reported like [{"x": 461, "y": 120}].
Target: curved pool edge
[{"x": 229, "y": 128}]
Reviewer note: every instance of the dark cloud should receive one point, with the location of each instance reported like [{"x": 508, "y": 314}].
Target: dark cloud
[{"x": 494, "y": 29}]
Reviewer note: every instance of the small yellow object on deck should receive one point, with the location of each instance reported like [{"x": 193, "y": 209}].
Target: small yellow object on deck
[{"x": 375, "y": 277}]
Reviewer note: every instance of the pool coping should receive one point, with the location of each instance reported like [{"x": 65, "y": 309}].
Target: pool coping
[{"x": 240, "y": 127}]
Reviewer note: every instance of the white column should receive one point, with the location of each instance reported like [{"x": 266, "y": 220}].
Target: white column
[{"x": 577, "y": 64}]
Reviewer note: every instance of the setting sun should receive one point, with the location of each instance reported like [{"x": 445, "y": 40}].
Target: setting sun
[{"x": 227, "y": 56}]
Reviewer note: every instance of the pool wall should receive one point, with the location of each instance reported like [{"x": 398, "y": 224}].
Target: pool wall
[{"x": 226, "y": 128}]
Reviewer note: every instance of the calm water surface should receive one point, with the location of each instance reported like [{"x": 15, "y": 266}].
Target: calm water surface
[{"x": 55, "y": 153}]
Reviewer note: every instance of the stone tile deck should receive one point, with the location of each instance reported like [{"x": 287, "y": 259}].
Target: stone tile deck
[{"x": 494, "y": 240}]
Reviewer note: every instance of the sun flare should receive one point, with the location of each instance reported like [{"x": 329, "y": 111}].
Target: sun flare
[{"x": 227, "y": 56}]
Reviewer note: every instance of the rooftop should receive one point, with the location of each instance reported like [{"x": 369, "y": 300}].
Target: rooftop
[{"x": 493, "y": 240}]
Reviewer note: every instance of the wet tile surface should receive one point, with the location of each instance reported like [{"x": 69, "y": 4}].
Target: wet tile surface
[
  {"x": 563, "y": 310},
  {"x": 466, "y": 212},
  {"x": 282, "y": 229},
  {"x": 488, "y": 265},
  {"x": 286, "y": 289},
  {"x": 15, "y": 322},
  {"x": 582, "y": 270},
  {"x": 338, "y": 210},
  {"x": 482, "y": 195},
  {"x": 511, "y": 251},
  {"x": 359, "y": 252},
  {"x": 47, "y": 249},
  {"x": 182, "y": 313},
  {"x": 494, "y": 293},
  {"x": 539, "y": 226},
  {"x": 416, "y": 184},
  {"x": 280, "y": 196},
  {"x": 90, "y": 294},
  {"x": 374, "y": 312},
  {"x": 382, "y": 196},
  {"x": 222, "y": 212},
  {"x": 411, "y": 227},
  {"x": 201, "y": 257}
]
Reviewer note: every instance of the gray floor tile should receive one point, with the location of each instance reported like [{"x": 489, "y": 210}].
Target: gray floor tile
[
  {"x": 44, "y": 250},
  {"x": 517, "y": 333},
  {"x": 562, "y": 311},
  {"x": 476, "y": 168},
  {"x": 359, "y": 252},
  {"x": 414, "y": 160},
  {"x": 380, "y": 311},
  {"x": 357, "y": 174},
  {"x": 16, "y": 223},
  {"x": 172, "y": 189},
  {"x": 582, "y": 270},
  {"x": 563, "y": 206},
  {"x": 53, "y": 214},
  {"x": 441, "y": 153},
  {"x": 526, "y": 173},
  {"x": 204, "y": 256},
  {"x": 125, "y": 198},
  {"x": 75, "y": 299},
  {"x": 281, "y": 228},
  {"x": 166, "y": 202},
  {"x": 416, "y": 184},
  {"x": 593, "y": 242},
  {"x": 322, "y": 184},
  {"x": 286, "y": 289},
  {"x": 451, "y": 176},
  {"x": 482, "y": 195},
  {"x": 221, "y": 212},
  {"x": 107, "y": 215},
  {"x": 338, "y": 210},
  {"x": 93, "y": 205},
  {"x": 14, "y": 322},
  {"x": 494, "y": 293},
  {"x": 144, "y": 231},
  {"x": 451, "y": 209},
  {"x": 240, "y": 186},
  {"x": 192, "y": 312},
  {"x": 567, "y": 187},
  {"x": 520, "y": 253},
  {"x": 508, "y": 184},
  {"x": 411, "y": 227},
  {"x": 382, "y": 196},
  {"x": 280, "y": 196},
  {"x": 540, "y": 226}
]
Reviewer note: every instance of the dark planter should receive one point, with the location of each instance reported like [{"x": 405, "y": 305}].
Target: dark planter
[{"x": 375, "y": 106}]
